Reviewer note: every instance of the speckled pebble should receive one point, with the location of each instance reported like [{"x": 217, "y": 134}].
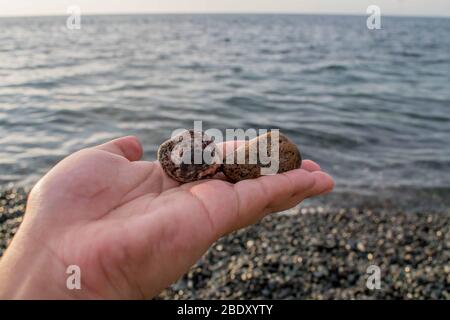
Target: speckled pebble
[
  {"x": 289, "y": 158},
  {"x": 181, "y": 166}
]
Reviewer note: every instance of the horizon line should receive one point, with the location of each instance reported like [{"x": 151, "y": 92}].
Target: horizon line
[{"x": 222, "y": 13}]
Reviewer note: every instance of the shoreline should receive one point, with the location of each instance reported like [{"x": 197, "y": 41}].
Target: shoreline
[{"x": 311, "y": 252}]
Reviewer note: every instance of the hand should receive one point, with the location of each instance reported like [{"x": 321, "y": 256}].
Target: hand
[{"x": 130, "y": 228}]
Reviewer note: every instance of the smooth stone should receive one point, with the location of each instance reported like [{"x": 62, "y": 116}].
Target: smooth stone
[
  {"x": 179, "y": 166},
  {"x": 289, "y": 158}
]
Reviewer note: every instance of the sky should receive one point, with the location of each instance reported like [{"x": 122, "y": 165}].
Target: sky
[{"x": 388, "y": 7}]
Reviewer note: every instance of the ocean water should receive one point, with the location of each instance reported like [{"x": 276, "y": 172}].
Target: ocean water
[{"x": 371, "y": 106}]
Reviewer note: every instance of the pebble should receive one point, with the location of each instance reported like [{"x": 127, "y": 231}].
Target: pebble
[
  {"x": 277, "y": 267},
  {"x": 179, "y": 164},
  {"x": 182, "y": 166},
  {"x": 289, "y": 158}
]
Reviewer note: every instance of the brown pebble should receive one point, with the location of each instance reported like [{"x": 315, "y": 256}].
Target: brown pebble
[
  {"x": 289, "y": 158},
  {"x": 180, "y": 165}
]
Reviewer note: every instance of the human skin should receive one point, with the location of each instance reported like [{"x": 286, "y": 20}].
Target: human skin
[{"x": 130, "y": 228}]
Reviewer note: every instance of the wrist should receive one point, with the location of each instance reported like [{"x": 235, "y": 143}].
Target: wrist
[{"x": 31, "y": 271}]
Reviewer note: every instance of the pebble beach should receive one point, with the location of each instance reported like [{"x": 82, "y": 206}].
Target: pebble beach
[{"x": 310, "y": 252}]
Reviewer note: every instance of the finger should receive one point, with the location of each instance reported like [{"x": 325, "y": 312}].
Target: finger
[
  {"x": 265, "y": 195},
  {"x": 260, "y": 196},
  {"x": 310, "y": 166},
  {"x": 128, "y": 147},
  {"x": 323, "y": 183},
  {"x": 231, "y": 207}
]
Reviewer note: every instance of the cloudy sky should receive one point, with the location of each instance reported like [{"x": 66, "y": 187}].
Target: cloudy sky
[{"x": 391, "y": 7}]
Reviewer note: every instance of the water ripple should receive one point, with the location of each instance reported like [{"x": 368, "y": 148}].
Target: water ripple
[{"x": 371, "y": 107}]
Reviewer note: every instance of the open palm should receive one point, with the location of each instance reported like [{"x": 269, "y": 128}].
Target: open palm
[{"x": 131, "y": 229}]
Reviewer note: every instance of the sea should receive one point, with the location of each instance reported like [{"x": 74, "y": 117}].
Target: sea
[{"x": 371, "y": 106}]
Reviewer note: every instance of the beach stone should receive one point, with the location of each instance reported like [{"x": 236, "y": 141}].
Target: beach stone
[
  {"x": 183, "y": 156},
  {"x": 289, "y": 158}
]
